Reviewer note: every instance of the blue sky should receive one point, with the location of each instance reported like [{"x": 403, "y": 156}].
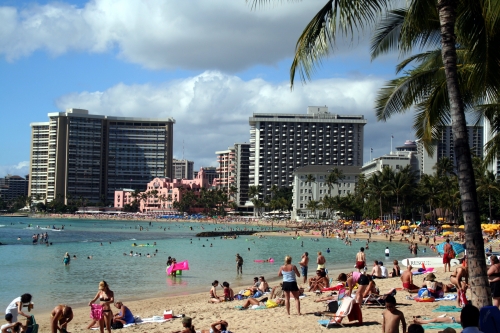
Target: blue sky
[{"x": 208, "y": 64}]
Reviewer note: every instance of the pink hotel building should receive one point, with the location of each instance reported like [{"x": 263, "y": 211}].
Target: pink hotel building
[{"x": 167, "y": 189}]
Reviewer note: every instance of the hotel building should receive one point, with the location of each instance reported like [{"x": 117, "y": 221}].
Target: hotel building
[
  {"x": 233, "y": 170},
  {"x": 76, "y": 154},
  {"x": 183, "y": 169},
  {"x": 281, "y": 143}
]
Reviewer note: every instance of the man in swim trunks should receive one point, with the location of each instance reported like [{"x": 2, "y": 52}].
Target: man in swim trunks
[
  {"x": 407, "y": 279},
  {"x": 320, "y": 261},
  {"x": 60, "y": 317},
  {"x": 303, "y": 265},
  {"x": 360, "y": 259},
  {"x": 446, "y": 258}
]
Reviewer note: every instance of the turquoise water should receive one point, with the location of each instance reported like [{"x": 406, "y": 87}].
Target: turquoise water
[{"x": 38, "y": 269}]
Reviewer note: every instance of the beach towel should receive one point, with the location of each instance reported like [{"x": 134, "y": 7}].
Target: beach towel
[
  {"x": 441, "y": 326},
  {"x": 447, "y": 308},
  {"x": 449, "y": 297},
  {"x": 139, "y": 321},
  {"x": 96, "y": 311}
]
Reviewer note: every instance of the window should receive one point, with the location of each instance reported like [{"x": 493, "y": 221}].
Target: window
[
  {"x": 301, "y": 198},
  {"x": 301, "y": 205},
  {"x": 301, "y": 190}
]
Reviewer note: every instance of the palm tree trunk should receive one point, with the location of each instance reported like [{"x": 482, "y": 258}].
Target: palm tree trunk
[{"x": 475, "y": 247}]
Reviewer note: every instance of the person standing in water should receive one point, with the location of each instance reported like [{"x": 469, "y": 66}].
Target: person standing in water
[
  {"x": 239, "y": 264},
  {"x": 66, "y": 259}
]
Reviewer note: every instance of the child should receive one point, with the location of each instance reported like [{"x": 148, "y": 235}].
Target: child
[
  {"x": 11, "y": 326},
  {"x": 392, "y": 317}
]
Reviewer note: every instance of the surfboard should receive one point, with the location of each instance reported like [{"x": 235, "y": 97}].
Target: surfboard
[{"x": 427, "y": 261}]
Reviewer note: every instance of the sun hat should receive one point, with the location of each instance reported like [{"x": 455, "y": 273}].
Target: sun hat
[{"x": 430, "y": 277}]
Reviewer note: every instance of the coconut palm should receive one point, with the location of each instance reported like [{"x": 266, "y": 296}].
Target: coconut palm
[
  {"x": 313, "y": 206},
  {"x": 347, "y": 17},
  {"x": 488, "y": 185},
  {"x": 334, "y": 176},
  {"x": 378, "y": 189}
]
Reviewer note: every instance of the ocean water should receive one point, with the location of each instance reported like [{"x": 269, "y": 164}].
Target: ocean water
[{"x": 38, "y": 269}]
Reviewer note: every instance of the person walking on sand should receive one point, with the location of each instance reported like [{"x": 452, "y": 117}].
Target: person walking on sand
[
  {"x": 239, "y": 264},
  {"x": 320, "y": 261},
  {"x": 360, "y": 259},
  {"x": 288, "y": 272},
  {"x": 304, "y": 262}
]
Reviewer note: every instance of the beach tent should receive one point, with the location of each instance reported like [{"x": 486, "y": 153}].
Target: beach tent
[{"x": 457, "y": 247}]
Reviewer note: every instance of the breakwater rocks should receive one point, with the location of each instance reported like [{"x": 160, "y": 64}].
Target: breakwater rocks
[{"x": 225, "y": 233}]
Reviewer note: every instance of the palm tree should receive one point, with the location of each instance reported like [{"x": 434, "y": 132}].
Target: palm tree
[
  {"x": 318, "y": 39},
  {"x": 313, "y": 206},
  {"x": 333, "y": 177},
  {"x": 378, "y": 189},
  {"x": 254, "y": 193},
  {"x": 488, "y": 185},
  {"x": 444, "y": 167}
]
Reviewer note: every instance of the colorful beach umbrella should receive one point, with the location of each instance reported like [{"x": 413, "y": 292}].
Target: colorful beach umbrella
[
  {"x": 404, "y": 228},
  {"x": 446, "y": 226},
  {"x": 461, "y": 227},
  {"x": 447, "y": 233},
  {"x": 414, "y": 226},
  {"x": 457, "y": 247}
]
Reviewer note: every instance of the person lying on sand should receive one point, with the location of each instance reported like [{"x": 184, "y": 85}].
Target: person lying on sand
[
  {"x": 218, "y": 327},
  {"x": 446, "y": 320}
]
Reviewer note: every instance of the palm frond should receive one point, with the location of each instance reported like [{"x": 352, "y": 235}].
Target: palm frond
[{"x": 386, "y": 37}]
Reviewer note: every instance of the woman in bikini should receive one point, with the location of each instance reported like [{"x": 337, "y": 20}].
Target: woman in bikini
[
  {"x": 106, "y": 298},
  {"x": 213, "y": 294}
]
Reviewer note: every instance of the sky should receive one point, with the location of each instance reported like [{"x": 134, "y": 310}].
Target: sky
[{"x": 208, "y": 64}]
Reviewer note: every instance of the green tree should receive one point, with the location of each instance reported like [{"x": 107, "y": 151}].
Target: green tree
[
  {"x": 349, "y": 16},
  {"x": 488, "y": 185}
]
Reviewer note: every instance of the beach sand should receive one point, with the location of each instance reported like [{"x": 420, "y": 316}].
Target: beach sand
[{"x": 266, "y": 320}]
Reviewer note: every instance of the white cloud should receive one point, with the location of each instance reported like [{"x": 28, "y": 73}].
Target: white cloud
[
  {"x": 224, "y": 35},
  {"x": 20, "y": 169},
  {"x": 212, "y": 109}
]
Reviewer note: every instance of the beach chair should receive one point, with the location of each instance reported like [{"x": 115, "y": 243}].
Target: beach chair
[
  {"x": 343, "y": 311},
  {"x": 374, "y": 299}
]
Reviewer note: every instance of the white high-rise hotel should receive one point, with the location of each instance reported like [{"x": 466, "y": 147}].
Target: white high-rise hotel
[{"x": 280, "y": 143}]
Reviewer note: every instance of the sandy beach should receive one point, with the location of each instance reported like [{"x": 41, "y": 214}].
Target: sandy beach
[{"x": 265, "y": 320}]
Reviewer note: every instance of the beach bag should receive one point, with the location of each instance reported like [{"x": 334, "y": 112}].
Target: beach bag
[
  {"x": 462, "y": 298},
  {"x": 32, "y": 326},
  {"x": 96, "y": 311},
  {"x": 247, "y": 293},
  {"x": 451, "y": 253},
  {"x": 117, "y": 325},
  {"x": 271, "y": 304}
]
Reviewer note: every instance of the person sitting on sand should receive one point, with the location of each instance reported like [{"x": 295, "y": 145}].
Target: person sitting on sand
[
  {"x": 187, "y": 326},
  {"x": 12, "y": 326},
  {"x": 392, "y": 317},
  {"x": 320, "y": 282},
  {"x": 256, "y": 284},
  {"x": 376, "y": 271},
  {"x": 396, "y": 271},
  {"x": 371, "y": 289},
  {"x": 228, "y": 292},
  {"x": 125, "y": 316},
  {"x": 313, "y": 279},
  {"x": 407, "y": 279},
  {"x": 435, "y": 288},
  {"x": 218, "y": 327},
  {"x": 213, "y": 293},
  {"x": 60, "y": 318}
]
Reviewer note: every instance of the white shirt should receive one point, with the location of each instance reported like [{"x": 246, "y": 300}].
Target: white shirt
[
  {"x": 3, "y": 326},
  {"x": 387, "y": 251},
  {"x": 384, "y": 271}
]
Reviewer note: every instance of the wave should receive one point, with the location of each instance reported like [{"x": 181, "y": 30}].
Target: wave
[
  {"x": 2, "y": 225},
  {"x": 132, "y": 239}
]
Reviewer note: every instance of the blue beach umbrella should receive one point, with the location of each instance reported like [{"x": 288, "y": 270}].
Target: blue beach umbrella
[{"x": 457, "y": 247}]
